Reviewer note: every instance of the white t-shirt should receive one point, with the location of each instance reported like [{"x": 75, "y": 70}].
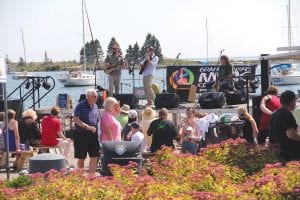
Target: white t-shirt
[
  {"x": 151, "y": 67},
  {"x": 139, "y": 137}
]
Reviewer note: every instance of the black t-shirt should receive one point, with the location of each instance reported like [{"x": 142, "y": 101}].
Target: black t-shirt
[
  {"x": 281, "y": 121},
  {"x": 247, "y": 130},
  {"x": 28, "y": 129},
  {"x": 164, "y": 132}
]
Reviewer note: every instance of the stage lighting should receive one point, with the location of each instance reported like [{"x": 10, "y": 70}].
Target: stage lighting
[
  {"x": 46, "y": 85},
  {"x": 38, "y": 84},
  {"x": 27, "y": 85}
]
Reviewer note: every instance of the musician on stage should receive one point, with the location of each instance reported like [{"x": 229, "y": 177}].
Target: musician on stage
[
  {"x": 225, "y": 74},
  {"x": 113, "y": 67},
  {"x": 148, "y": 67}
]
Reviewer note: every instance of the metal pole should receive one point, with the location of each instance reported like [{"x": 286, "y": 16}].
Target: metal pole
[
  {"x": 6, "y": 132},
  {"x": 24, "y": 49},
  {"x": 265, "y": 76},
  {"x": 83, "y": 37},
  {"x": 206, "y": 41},
  {"x": 289, "y": 24}
]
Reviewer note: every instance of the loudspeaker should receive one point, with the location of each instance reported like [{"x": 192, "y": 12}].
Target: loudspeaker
[
  {"x": 130, "y": 99},
  {"x": 256, "y": 112},
  {"x": 166, "y": 100},
  {"x": 14, "y": 104},
  {"x": 236, "y": 97},
  {"x": 186, "y": 93},
  {"x": 211, "y": 100}
]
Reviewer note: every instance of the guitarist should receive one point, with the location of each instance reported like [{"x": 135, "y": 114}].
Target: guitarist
[
  {"x": 225, "y": 74},
  {"x": 148, "y": 67},
  {"x": 113, "y": 67}
]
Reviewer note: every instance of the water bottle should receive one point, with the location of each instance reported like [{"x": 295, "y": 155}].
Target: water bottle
[
  {"x": 267, "y": 142},
  {"x": 27, "y": 145}
]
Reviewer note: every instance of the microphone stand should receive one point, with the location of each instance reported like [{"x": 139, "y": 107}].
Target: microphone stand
[{"x": 133, "y": 79}]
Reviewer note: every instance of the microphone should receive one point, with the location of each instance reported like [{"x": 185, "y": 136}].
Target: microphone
[{"x": 178, "y": 55}]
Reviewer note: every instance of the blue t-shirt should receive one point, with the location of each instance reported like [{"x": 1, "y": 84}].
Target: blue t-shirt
[{"x": 87, "y": 114}]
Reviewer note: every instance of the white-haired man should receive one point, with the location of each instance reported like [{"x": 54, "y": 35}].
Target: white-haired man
[{"x": 86, "y": 117}]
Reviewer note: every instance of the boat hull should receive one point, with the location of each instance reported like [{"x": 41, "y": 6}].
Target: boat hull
[
  {"x": 285, "y": 80},
  {"x": 71, "y": 82}
]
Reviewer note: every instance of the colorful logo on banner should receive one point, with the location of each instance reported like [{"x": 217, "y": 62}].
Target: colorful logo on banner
[{"x": 182, "y": 76}]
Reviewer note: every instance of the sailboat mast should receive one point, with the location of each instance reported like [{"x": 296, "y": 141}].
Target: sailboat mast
[
  {"x": 83, "y": 36},
  {"x": 289, "y": 24},
  {"x": 24, "y": 49},
  {"x": 206, "y": 40}
]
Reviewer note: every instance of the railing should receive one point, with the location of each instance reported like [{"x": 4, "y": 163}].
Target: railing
[{"x": 34, "y": 85}]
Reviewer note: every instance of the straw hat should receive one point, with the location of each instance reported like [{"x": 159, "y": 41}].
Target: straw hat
[
  {"x": 149, "y": 113},
  {"x": 125, "y": 108}
]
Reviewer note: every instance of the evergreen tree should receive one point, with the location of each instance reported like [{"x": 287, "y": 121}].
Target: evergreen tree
[
  {"x": 111, "y": 44},
  {"x": 129, "y": 56},
  {"x": 21, "y": 62},
  {"x": 90, "y": 52},
  {"x": 46, "y": 59},
  {"x": 136, "y": 54},
  {"x": 151, "y": 40}
]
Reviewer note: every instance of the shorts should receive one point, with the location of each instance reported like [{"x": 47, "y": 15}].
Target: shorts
[
  {"x": 189, "y": 147},
  {"x": 86, "y": 142}
]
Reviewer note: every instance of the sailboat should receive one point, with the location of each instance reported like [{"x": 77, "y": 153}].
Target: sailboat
[
  {"x": 77, "y": 77},
  {"x": 23, "y": 74},
  {"x": 286, "y": 73}
]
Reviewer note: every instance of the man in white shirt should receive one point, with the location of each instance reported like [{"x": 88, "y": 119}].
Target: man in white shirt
[
  {"x": 137, "y": 135},
  {"x": 149, "y": 65}
]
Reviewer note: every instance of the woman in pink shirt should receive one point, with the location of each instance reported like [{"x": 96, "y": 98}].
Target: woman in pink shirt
[{"x": 109, "y": 125}]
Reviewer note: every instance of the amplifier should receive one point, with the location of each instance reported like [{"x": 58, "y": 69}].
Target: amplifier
[
  {"x": 211, "y": 100},
  {"x": 186, "y": 93}
]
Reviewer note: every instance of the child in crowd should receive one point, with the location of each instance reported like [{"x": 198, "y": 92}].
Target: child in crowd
[
  {"x": 137, "y": 135},
  {"x": 189, "y": 144}
]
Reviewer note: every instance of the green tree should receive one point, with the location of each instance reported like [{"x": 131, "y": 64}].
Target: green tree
[
  {"x": 111, "y": 44},
  {"x": 46, "y": 59},
  {"x": 21, "y": 62},
  {"x": 133, "y": 55},
  {"x": 151, "y": 40},
  {"x": 90, "y": 52}
]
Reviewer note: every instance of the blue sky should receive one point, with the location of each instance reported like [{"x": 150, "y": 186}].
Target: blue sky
[{"x": 241, "y": 27}]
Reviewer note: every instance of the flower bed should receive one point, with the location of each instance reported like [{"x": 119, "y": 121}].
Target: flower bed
[{"x": 231, "y": 170}]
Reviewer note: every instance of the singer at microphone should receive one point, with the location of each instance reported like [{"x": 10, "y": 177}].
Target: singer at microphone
[{"x": 225, "y": 75}]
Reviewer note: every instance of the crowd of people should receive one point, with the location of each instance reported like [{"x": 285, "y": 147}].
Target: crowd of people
[{"x": 153, "y": 130}]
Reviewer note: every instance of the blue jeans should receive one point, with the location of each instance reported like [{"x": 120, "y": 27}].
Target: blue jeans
[{"x": 189, "y": 147}]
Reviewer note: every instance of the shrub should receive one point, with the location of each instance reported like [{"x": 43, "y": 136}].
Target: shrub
[{"x": 218, "y": 173}]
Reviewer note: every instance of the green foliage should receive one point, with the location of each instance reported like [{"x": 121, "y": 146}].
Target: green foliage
[
  {"x": 133, "y": 55},
  {"x": 170, "y": 175},
  {"x": 21, "y": 181},
  {"x": 241, "y": 154},
  {"x": 111, "y": 44},
  {"x": 90, "y": 52},
  {"x": 151, "y": 40},
  {"x": 21, "y": 62}
]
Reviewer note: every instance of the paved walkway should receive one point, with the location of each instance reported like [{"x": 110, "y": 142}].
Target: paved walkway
[{"x": 71, "y": 162}]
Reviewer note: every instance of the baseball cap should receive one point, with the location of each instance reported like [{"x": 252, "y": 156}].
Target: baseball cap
[
  {"x": 135, "y": 125},
  {"x": 132, "y": 114}
]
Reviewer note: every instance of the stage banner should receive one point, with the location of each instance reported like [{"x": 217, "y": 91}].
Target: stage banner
[
  {"x": 2, "y": 71},
  {"x": 201, "y": 75}
]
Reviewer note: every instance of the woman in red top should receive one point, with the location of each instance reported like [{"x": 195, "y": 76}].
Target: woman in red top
[{"x": 269, "y": 103}]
